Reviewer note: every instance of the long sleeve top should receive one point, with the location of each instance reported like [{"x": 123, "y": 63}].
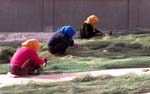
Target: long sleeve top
[
  {"x": 60, "y": 38},
  {"x": 23, "y": 54},
  {"x": 86, "y": 31}
]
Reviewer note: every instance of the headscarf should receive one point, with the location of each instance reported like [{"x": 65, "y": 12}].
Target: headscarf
[
  {"x": 92, "y": 19},
  {"x": 32, "y": 43},
  {"x": 67, "y": 30}
]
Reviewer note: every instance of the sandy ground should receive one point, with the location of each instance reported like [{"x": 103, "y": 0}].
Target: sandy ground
[
  {"x": 19, "y": 37},
  {"x": 6, "y": 80},
  {"x": 22, "y": 36}
]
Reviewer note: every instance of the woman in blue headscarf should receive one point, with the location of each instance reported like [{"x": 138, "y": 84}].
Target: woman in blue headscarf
[{"x": 61, "y": 40}]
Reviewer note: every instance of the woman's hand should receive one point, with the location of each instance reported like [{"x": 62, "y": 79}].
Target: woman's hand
[
  {"x": 45, "y": 63},
  {"x": 77, "y": 45}
]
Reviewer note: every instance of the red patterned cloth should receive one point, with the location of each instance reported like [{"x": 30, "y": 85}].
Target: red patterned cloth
[{"x": 27, "y": 67}]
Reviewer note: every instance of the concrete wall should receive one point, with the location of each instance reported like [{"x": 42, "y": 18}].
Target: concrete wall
[
  {"x": 21, "y": 15},
  {"x": 47, "y": 15}
]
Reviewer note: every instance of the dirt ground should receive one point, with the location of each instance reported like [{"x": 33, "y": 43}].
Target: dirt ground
[
  {"x": 6, "y": 80},
  {"x": 18, "y": 37},
  {"x": 22, "y": 36}
]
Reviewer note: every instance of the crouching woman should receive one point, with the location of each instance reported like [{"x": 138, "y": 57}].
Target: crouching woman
[
  {"x": 25, "y": 60},
  {"x": 61, "y": 40}
]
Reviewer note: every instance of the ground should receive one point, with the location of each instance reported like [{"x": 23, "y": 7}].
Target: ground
[
  {"x": 86, "y": 51},
  {"x": 6, "y": 80},
  {"x": 17, "y": 37}
]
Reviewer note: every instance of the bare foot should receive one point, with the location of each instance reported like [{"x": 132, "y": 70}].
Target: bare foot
[{"x": 12, "y": 75}]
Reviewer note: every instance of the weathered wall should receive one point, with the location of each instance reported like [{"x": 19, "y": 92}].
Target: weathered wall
[
  {"x": 20, "y": 15},
  {"x": 47, "y": 15}
]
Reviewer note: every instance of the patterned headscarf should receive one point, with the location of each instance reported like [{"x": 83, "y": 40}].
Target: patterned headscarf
[
  {"x": 32, "y": 43},
  {"x": 67, "y": 30}
]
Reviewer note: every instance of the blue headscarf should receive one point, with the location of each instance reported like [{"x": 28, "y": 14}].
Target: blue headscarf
[{"x": 67, "y": 30}]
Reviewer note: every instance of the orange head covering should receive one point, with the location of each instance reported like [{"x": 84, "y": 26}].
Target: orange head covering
[
  {"x": 92, "y": 19},
  {"x": 32, "y": 43}
]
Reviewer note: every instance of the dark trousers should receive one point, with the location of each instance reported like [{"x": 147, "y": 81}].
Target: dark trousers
[
  {"x": 28, "y": 67},
  {"x": 58, "y": 48}
]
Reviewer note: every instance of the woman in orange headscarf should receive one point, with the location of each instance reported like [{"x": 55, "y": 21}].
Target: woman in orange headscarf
[
  {"x": 88, "y": 28},
  {"x": 26, "y": 60}
]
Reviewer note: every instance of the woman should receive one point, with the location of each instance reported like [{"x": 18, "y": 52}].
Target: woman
[
  {"x": 88, "y": 28},
  {"x": 61, "y": 40},
  {"x": 25, "y": 60}
]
